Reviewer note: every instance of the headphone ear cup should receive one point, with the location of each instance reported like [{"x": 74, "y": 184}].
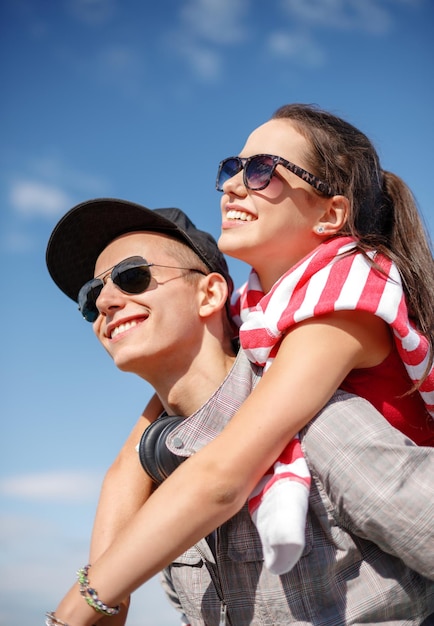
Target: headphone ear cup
[
  {"x": 155, "y": 457},
  {"x": 165, "y": 459}
]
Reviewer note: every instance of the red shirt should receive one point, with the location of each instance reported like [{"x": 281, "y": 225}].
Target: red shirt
[{"x": 384, "y": 386}]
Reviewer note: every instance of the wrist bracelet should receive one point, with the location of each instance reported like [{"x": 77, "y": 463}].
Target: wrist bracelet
[
  {"x": 52, "y": 620},
  {"x": 91, "y": 596}
]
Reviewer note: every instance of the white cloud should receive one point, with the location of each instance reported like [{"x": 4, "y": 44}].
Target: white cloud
[
  {"x": 204, "y": 28},
  {"x": 52, "y": 169},
  {"x": 204, "y": 62},
  {"x": 47, "y": 188},
  {"x": 297, "y": 47},
  {"x": 39, "y": 555},
  {"x": 216, "y": 21},
  {"x": 31, "y": 197},
  {"x": 76, "y": 487},
  {"x": 363, "y": 15}
]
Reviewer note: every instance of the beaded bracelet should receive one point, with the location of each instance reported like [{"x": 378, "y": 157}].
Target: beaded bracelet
[
  {"x": 52, "y": 620},
  {"x": 91, "y": 596}
]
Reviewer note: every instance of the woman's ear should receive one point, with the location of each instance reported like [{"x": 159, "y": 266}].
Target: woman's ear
[
  {"x": 213, "y": 294},
  {"x": 334, "y": 217}
]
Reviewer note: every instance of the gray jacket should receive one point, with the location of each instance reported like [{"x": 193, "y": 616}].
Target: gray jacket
[{"x": 369, "y": 555}]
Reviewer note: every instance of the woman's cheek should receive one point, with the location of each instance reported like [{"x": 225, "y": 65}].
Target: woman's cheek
[{"x": 273, "y": 190}]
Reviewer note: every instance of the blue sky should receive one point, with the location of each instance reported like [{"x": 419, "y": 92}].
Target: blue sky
[{"x": 140, "y": 100}]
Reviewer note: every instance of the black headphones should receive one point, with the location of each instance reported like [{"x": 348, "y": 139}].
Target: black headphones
[{"x": 156, "y": 458}]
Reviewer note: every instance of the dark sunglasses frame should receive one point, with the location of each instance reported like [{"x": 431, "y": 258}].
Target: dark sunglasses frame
[
  {"x": 125, "y": 277},
  {"x": 265, "y": 164}
]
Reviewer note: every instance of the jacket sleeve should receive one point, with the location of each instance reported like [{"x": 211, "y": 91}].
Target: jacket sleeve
[{"x": 378, "y": 482}]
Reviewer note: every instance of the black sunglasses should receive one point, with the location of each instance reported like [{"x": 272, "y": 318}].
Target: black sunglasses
[
  {"x": 259, "y": 169},
  {"x": 131, "y": 275}
]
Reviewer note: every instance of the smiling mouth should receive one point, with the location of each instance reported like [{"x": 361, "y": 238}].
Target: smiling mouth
[
  {"x": 122, "y": 328},
  {"x": 233, "y": 214}
]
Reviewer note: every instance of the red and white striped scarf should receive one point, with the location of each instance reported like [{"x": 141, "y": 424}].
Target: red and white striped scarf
[{"x": 331, "y": 279}]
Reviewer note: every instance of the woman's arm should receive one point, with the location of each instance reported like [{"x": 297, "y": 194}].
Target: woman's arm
[
  {"x": 124, "y": 490},
  {"x": 125, "y": 487},
  {"x": 210, "y": 487}
]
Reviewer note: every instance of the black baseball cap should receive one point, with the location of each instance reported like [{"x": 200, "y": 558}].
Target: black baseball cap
[{"x": 82, "y": 234}]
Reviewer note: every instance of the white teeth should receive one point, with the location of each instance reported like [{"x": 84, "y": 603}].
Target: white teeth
[
  {"x": 239, "y": 215},
  {"x": 122, "y": 327}
]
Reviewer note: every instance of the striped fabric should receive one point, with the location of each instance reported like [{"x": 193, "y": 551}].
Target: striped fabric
[
  {"x": 335, "y": 277},
  {"x": 325, "y": 282}
]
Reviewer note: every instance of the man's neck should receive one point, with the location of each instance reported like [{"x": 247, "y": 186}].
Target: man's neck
[{"x": 184, "y": 392}]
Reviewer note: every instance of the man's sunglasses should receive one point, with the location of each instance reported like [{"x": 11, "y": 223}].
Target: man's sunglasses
[
  {"x": 259, "y": 169},
  {"x": 132, "y": 275}
]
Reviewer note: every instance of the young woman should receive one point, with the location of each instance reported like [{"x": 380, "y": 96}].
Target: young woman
[{"x": 339, "y": 249}]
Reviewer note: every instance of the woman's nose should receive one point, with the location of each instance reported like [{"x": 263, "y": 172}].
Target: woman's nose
[{"x": 235, "y": 185}]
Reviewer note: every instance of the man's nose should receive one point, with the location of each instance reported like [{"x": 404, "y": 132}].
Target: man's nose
[{"x": 109, "y": 297}]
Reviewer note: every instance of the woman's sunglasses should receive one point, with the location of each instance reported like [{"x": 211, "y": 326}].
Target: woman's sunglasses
[
  {"x": 259, "y": 169},
  {"x": 131, "y": 276}
]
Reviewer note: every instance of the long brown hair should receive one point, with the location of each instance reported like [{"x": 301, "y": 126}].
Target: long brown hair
[{"x": 383, "y": 215}]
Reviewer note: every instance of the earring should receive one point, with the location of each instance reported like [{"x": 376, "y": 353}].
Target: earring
[{"x": 320, "y": 230}]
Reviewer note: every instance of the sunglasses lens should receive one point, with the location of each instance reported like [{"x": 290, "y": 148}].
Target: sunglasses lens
[
  {"x": 259, "y": 170},
  {"x": 87, "y": 298},
  {"x": 227, "y": 169},
  {"x": 132, "y": 276}
]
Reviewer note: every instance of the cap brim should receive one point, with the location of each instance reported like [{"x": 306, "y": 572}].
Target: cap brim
[{"x": 83, "y": 233}]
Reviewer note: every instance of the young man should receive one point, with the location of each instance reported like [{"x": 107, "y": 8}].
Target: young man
[{"x": 369, "y": 537}]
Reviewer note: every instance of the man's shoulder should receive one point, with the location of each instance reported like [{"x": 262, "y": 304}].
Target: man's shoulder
[{"x": 210, "y": 419}]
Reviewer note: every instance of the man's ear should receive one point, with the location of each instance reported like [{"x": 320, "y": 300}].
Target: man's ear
[
  {"x": 213, "y": 294},
  {"x": 334, "y": 217}
]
